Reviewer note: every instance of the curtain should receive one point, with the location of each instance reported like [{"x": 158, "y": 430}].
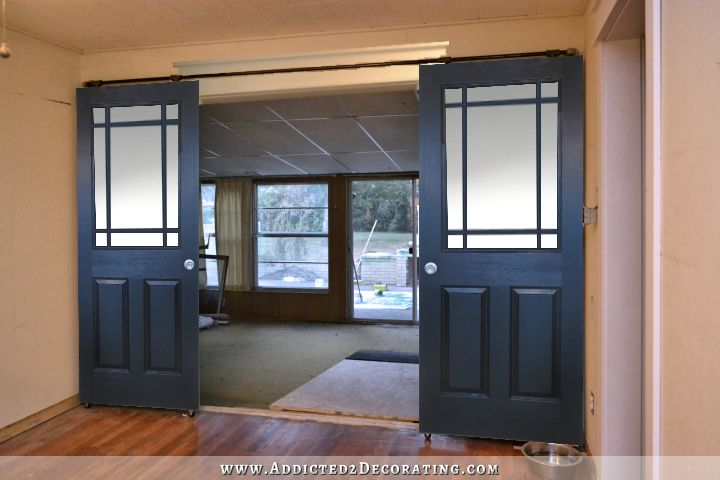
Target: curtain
[{"x": 233, "y": 227}]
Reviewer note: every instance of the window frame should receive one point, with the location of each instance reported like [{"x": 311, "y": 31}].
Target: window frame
[{"x": 290, "y": 181}]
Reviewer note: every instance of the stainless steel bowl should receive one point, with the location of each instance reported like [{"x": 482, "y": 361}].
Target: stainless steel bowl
[{"x": 552, "y": 461}]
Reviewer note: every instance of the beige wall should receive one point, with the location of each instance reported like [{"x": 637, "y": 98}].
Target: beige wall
[
  {"x": 38, "y": 228},
  {"x": 468, "y": 39},
  {"x": 690, "y": 390}
]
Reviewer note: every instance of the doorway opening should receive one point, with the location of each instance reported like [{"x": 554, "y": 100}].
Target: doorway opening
[
  {"x": 283, "y": 181},
  {"x": 384, "y": 249}
]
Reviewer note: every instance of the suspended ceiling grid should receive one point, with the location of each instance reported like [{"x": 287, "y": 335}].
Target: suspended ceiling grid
[{"x": 342, "y": 134}]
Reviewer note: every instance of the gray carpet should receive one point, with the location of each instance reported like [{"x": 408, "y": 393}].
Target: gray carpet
[
  {"x": 254, "y": 364},
  {"x": 359, "y": 388}
]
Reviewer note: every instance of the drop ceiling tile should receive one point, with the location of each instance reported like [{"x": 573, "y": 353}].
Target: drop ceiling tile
[
  {"x": 225, "y": 167},
  {"x": 237, "y": 112},
  {"x": 274, "y": 137},
  {"x": 307, "y": 107},
  {"x": 207, "y": 153},
  {"x": 386, "y": 103},
  {"x": 407, "y": 160},
  {"x": 369, "y": 162},
  {"x": 393, "y": 133},
  {"x": 337, "y": 135},
  {"x": 224, "y": 142},
  {"x": 252, "y": 165},
  {"x": 317, "y": 164},
  {"x": 205, "y": 115}
]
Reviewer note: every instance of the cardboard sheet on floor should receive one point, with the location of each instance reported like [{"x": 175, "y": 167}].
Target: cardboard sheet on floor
[{"x": 361, "y": 389}]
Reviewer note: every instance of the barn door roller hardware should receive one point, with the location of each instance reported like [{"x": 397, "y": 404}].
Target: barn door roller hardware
[{"x": 322, "y": 68}]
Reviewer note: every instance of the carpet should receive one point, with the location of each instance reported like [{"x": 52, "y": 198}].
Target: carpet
[
  {"x": 385, "y": 390},
  {"x": 253, "y": 364}
]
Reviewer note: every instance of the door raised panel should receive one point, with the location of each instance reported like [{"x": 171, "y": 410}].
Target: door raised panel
[
  {"x": 111, "y": 323},
  {"x": 535, "y": 324},
  {"x": 465, "y": 340},
  {"x": 162, "y": 326}
]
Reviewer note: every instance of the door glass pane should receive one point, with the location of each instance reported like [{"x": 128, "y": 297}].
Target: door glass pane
[
  {"x": 549, "y": 165},
  {"x": 172, "y": 239},
  {"x": 136, "y": 178},
  {"x": 136, "y": 239},
  {"x": 382, "y": 255},
  {"x": 501, "y": 164},
  {"x": 548, "y": 241},
  {"x": 502, "y": 241},
  {"x": 455, "y": 241},
  {"x": 135, "y": 114},
  {"x": 172, "y": 178},
  {"x": 98, "y": 115},
  {"x": 549, "y": 89},
  {"x": 501, "y": 92},
  {"x": 99, "y": 167},
  {"x": 453, "y": 95},
  {"x": 454, "y": 167},
  {"x": 171, "y": 112},
  {"x": 101, "y": 239}
]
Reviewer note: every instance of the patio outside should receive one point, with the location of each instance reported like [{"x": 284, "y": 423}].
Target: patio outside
[{"x": 383, "y": 263}]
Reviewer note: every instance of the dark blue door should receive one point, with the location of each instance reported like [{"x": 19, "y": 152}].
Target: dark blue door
[
  {"x": 138, "y": 244},
  {"x": 501, "y": 189}
]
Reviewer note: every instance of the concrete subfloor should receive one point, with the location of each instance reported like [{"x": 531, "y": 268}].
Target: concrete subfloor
[{"x": 253, "y": 364}]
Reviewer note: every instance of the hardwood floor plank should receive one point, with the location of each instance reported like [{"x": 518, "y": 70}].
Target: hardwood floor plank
[{"x": 103, "y": 430}]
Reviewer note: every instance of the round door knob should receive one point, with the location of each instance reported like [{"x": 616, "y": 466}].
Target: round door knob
[
  {"x": 430, "y": 268},
  {"x": 189, "y": 264}
]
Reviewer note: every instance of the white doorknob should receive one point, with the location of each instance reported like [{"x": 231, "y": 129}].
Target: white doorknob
[
  {"x": 430, "y": 268},
  {"x": 189, "y": 264}
]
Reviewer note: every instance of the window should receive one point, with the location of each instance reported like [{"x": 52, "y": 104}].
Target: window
[
  {"x": 207, "y": 196},
  {"x": 207, "y": 193},
  {"x": 291, "y": 235}
]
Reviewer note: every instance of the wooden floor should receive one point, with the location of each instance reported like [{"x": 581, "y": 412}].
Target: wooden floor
[{"x": 134, "y": 431}]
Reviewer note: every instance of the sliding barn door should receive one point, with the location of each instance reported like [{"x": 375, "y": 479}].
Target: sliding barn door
[
  {"x": 501, "y": 303},
  {"x": 138, "y": 244}
]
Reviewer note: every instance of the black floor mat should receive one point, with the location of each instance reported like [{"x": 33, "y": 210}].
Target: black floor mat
[{"x": 380, "y": 356}]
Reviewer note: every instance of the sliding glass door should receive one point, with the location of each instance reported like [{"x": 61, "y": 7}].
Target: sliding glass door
[{"x": 384, "y": 249}]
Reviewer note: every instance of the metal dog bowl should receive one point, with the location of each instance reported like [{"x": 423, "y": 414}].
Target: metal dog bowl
[{"x": 552, "y": 461}]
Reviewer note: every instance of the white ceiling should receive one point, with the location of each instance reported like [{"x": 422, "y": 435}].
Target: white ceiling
[
  {"x": 360, "y": 133},
  {"x": 89, "y": 25}
]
